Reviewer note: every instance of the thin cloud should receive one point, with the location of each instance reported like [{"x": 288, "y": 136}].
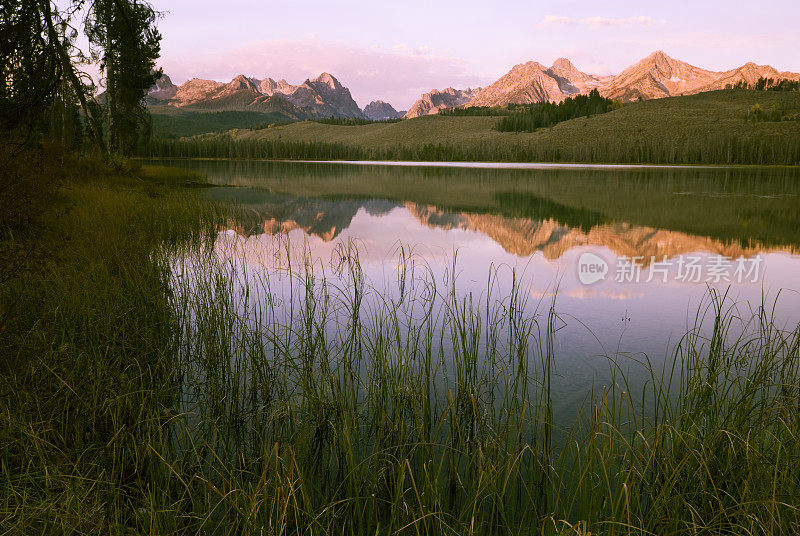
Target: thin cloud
[
  {"x": 554, "y": 20},
  {"x": 603, "y": 22},
  {"x": 600, "y": 22}
]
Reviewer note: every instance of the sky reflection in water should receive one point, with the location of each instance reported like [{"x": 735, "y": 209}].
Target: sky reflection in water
[{"x": 540, "y": 224}]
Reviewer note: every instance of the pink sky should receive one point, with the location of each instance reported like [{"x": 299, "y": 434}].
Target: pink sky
[{"x": 395, "y": 51}]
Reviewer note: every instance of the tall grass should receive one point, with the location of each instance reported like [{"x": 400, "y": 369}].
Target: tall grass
[
  {"x": 86, "y": 341},
  {"x": 314, "y": 402},
  {"x": 159, "y": 378}
]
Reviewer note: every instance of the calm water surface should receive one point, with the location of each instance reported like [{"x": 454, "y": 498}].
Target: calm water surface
[{"x": 631, "y": 252}]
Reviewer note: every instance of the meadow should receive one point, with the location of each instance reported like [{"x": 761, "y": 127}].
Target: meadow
[
  {"x": 155, "y": 380},
  {"x": 708, "y": 128},
  {"x": 169, "y": 123}
]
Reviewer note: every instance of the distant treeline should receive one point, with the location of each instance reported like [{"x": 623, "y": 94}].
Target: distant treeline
[
  {"x": 354, "y": 121},
  {"x": 481, "y": 111},
  {"x": 767, "y": 84},
  {"x": 529, "y": 117},
  {"x": 706, "y": 149}
]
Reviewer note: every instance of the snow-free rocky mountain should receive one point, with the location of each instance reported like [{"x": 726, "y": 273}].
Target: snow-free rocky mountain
[
  {"x": 321, "y": 97},
  {"x": 380, "y": 111},
  {"x": 654, "y": 77},
  {"x": 430, "y": 103}
]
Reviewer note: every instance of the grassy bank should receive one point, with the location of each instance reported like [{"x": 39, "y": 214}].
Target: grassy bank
[
  {"x": 152, "y": 384},
  {"x": 709, "y": 128},
  {"x": 86, "y": 340}
]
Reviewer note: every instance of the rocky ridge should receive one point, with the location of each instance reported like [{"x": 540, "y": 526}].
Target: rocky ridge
[
  {"x": 430, "y": 103},
  {"x": 380, "y": 111},
  {"x": 656, "y": 76},
  {"x": 324, "y": 96}
]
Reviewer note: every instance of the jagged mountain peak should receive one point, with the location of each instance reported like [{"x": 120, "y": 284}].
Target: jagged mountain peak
[
  {"x": 659, "y": 55},
  {"x": 379, "y": 110},
  {"x": 269, "y": 86},
  {"x": 243, "y": 82},
  {"x": 430, "y": 103},
  {"x": 658, "y": 75},
  {"x": 660, "y": 61},
  {"x": 163, "y": 80},
  {"x": 563, "y": 63},
  {"x": 446, "y": 91},
  {"x": 325, "y": 96},
  {"x": 655, "y": 76},
  {"x": 328, "y": 80},
  {"x": 525, "y": 82},
  {"x": 162, "y": 90},
  {"x": 749, "y": 73},
  {"x": 528, "y": 65},
  {"x": 570, "y": 79}
]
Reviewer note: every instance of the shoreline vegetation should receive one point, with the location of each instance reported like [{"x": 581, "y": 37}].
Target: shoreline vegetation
[
  {"x": 726, "y": 127},
  {"x": 157, "y": 379},
  {"x": 151, "y": 384}
]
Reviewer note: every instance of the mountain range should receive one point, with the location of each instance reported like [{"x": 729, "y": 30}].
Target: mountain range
[
  {"x": 321, "y": 97},
  {"x": 656, "y": 76}
]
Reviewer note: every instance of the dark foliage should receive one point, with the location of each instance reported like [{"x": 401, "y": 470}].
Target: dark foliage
[
  {"x": 45, "y": 94},
  {"x": 353, "y": 121},
  {"x": 477, "y": 111},
  {"x": 529, "y": 117},
  {"x": 767, "y": 84}
]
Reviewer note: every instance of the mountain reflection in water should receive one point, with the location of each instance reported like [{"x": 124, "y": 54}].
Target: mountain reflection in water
[
  {"x": 326, "y": 218},
  {"x": 536, "y": 225}
]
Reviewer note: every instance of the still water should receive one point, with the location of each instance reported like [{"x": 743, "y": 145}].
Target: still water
[{"x": 629, "y": 253}]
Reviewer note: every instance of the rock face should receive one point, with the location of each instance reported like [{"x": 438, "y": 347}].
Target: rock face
[
  {"x": 524, "y": 83},
  {"x": 162, "y": 90},
  {"x": 195, "y": 90},
  {"x": 269, "y": 87},
  {"x": 655, "y": 76},
  {"x": 570, "y": 79},
  {"x": 750, "y": 73},
  {"x": 431, "y": 103},
  {"x": 380, "y": 111},
  {"x": 323, "y": 96}
]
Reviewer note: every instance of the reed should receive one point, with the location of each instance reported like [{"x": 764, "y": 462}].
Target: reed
[
  {"x": 162, "y": 378},
  {"x": 326, "y": 404}
]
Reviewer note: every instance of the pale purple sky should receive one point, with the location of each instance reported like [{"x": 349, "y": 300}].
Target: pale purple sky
[{"x": 396, "y": 50}]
